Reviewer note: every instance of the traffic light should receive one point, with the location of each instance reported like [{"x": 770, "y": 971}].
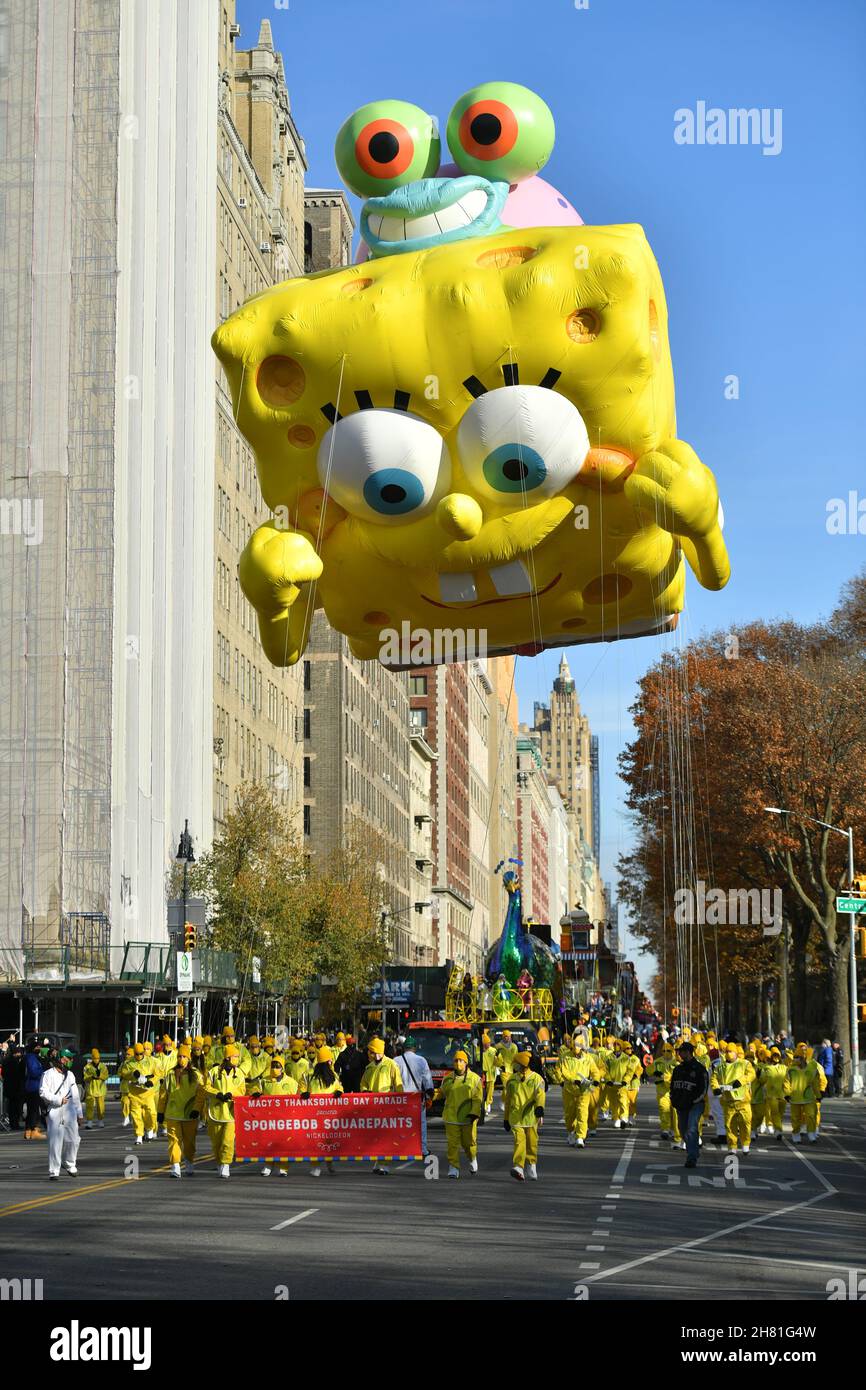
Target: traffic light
[
  {"x": 188, "y": 936},
  {"x": 860, "y": 942},
  {"x": 861, "y": 1012},
  {"x": 858, "y": 887}
]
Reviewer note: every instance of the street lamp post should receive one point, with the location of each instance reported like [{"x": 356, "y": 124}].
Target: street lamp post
[
  {"x": 852, "y": 925},
  {"x": 186, "y": 857}
]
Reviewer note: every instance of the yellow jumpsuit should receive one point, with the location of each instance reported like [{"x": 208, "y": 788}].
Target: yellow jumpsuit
[
  {"x": 298, "y": 1068},
  {"x": 125, "y": 1072},
  {"x": 594, "y": 1092},
  {"x": 523, "y": 1096},
  {"x": 259, "y": 1068},
  {"x": 737, "y": 1102},
  {"x": 578, "y": 1075},
  {"x": 774, "y": 1075},
  {"x": 181, "y": 1094},
  {"x": 489, "y": 1069},
  {"x": 633, "y": 1088},
  {"x": 220, "y": 1114},
  {"x": 95, "y": 1078},
  {"x": 759, "y": 1098},
  {"x": 505, "y": 1055},
  {"x": 143, "y": 1095},
  {"x": 279, "y": 1086},
  {"x": 618, "y": 1073},
  {"x": 804, "y": 1087},
  {"x": 463, "y": 1097},
  {"x": 383, "y": 1075},
  {"x": 606, "y": 1098},
  {"x": 660, "y": 1072}
]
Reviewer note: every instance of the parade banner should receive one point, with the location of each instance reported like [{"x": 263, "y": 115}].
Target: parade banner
[{"x": 355, "y": 1126}]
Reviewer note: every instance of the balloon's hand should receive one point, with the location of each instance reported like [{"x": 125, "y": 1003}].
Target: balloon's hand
[
  {"x": 274, "y": 567},
  {"x": 672, "y": 488}
]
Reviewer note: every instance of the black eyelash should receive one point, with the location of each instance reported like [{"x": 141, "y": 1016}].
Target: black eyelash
[
  {"x": 401, "y": 400},
  {"x": 331, "y": 413},
  {"x": 550, "y": 378},
  {"x": 475, "y": 387},
  {"x": 364, "y": 399},
  {"x": 511, "y": 373}
]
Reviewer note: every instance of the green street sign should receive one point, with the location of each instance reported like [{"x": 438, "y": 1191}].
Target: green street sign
[{"x": 851, "y": 904}]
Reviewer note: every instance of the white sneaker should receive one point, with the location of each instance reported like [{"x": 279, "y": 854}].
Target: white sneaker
[
  {"x": 617, "y": 1124},
  {"x": 532, "y": 1171},
  {"x": 473, "y": 1165},
  {"x": 746, "y": 1149},
  {"x": 125, "y": 1122},
  {"x": 188, "y": 1168},
  {"x": 100, "y": 1124},
  {"x": 265, "y": 1172},
  {"x": 579, "y": 1144},
  {"x": 487, "y": 1109},
  {"x": 224, "y": 1170},
  {"x": 591, "y": 1133},
  {"x": 139, "y": 1140},
  {"x": 88, "y": 1125},
  {"x": 453, "y": 1172},
  {"x": 316, "y": 1172},
  {"x": 71, "y": 1169},
  {"x": 571, "y": 1139},
  {"x": 796, "y": 1138},
  {"x": 163, "y": 1133},
  {"x": 518, "y": 1174},
  {"x": 175, "y": 1170},
  {"x": 812, "y": 1138},
  {"x": 151, "y": 1134}
]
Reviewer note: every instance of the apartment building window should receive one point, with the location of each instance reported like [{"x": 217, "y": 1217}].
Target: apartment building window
[
  {"x": 418, "y": 685},
  {"x": 418, "y": 718},
  {"x": 306, "y": 675},
  {"x": 306, "y": 772},
  {"x": 307, "y": 820},
  {"x": 307, "y": 733}
]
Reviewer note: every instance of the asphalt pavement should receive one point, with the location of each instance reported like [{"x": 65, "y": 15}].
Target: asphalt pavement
[{"x": 621, "y": 1219}]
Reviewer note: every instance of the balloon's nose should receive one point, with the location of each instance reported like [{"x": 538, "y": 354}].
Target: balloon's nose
[{"x": 460, "y": 516}]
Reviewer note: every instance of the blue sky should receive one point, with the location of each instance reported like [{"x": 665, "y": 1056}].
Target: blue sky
[{"x": 762, "y": 256}]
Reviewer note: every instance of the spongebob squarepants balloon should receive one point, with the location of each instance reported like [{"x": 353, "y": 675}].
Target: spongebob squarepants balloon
[{"x": 473, "y": 428}]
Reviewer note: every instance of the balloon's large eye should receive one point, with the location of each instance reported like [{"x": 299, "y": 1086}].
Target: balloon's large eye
[
  {"x": 521, "y": 440},
  {"x": 501, "y": 131},
  {"x": 383, "y": 465},
  {"x": 384, "y": 145}
]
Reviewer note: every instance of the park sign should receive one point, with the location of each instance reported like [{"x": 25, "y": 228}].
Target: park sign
[
  {"x": 184, "y": 972},
  {"x": 851, "y": 905}
]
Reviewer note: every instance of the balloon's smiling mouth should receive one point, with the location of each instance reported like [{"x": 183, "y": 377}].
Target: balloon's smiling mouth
[
  {"x": 429, "y": 212},
  {"x": 509, "y": 581}
]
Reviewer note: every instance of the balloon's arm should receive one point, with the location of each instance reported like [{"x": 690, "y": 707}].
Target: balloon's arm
[
  {"x": 275, "y": 571},
  {"x": 671, "y": 488}
]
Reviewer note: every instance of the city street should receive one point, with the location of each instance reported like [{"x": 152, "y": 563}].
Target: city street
[{"x": 619, "y": 1220}]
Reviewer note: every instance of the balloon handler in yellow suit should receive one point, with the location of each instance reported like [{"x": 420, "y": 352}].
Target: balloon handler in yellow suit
[
  {"x": 95, "y": 1079},
  {"x": 804, "y": 1086},
  {"x": 733, "y": 1081},
  {"x": 578, "y": 1075},
  {"x": 524, "y": 1115},
  {"x": 224, "y": 1083},
  {"x": 143, "y": 1093},
  {"x": 180, "y": 1102},
  {"x": 618, "y": 1076},
  {"x": 463, "y": 1094},
  {"x": 659, "y": 1073}
]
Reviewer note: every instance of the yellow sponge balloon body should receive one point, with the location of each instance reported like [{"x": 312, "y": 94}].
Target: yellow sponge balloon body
[{"x": 477, "y": 438}]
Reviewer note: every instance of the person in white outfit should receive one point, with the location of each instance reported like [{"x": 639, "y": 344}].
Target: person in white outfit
[
  {"x": 59, "y": 1092},
  {"x": 417, "y": 1077}
]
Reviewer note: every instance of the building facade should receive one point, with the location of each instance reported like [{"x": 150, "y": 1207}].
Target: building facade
[
  {"x": 257, "y": 708},
  {"x": 328, "y": 228},
  {"x": 533, "y": 830},
  {"x": 502, "y": 781},
  {"x": 357, "y": 769},
  {"x": 422, "y": 759},
  {"x": 106, "y": 561},
  {"x": 440, "y": 707}
]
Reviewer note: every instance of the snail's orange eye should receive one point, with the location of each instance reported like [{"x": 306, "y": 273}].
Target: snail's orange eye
[
  {"x": 488, "y": 130},
  {"x": 384, "y": 149}
]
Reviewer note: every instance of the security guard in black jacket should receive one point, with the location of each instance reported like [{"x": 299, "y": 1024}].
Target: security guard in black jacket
[{"x": 689, "y": 1083}]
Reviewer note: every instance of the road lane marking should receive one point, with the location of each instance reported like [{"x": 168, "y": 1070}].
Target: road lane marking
[
  {"x": 292, "y": 1219},
  {"x": 604, "y": 1218},
  {"x": 589, "y": 1265},
  {"x": 34, "y": 1203},
  {"x": 625, "y": 1160},
  {"x": 593, "y": 1247},
  {"x": 612, "y": 1196},
  {"x": 607, "y": 1208}
]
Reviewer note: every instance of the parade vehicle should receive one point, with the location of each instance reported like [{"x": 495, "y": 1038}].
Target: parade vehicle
[{"x": 436, "y": 1040}]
